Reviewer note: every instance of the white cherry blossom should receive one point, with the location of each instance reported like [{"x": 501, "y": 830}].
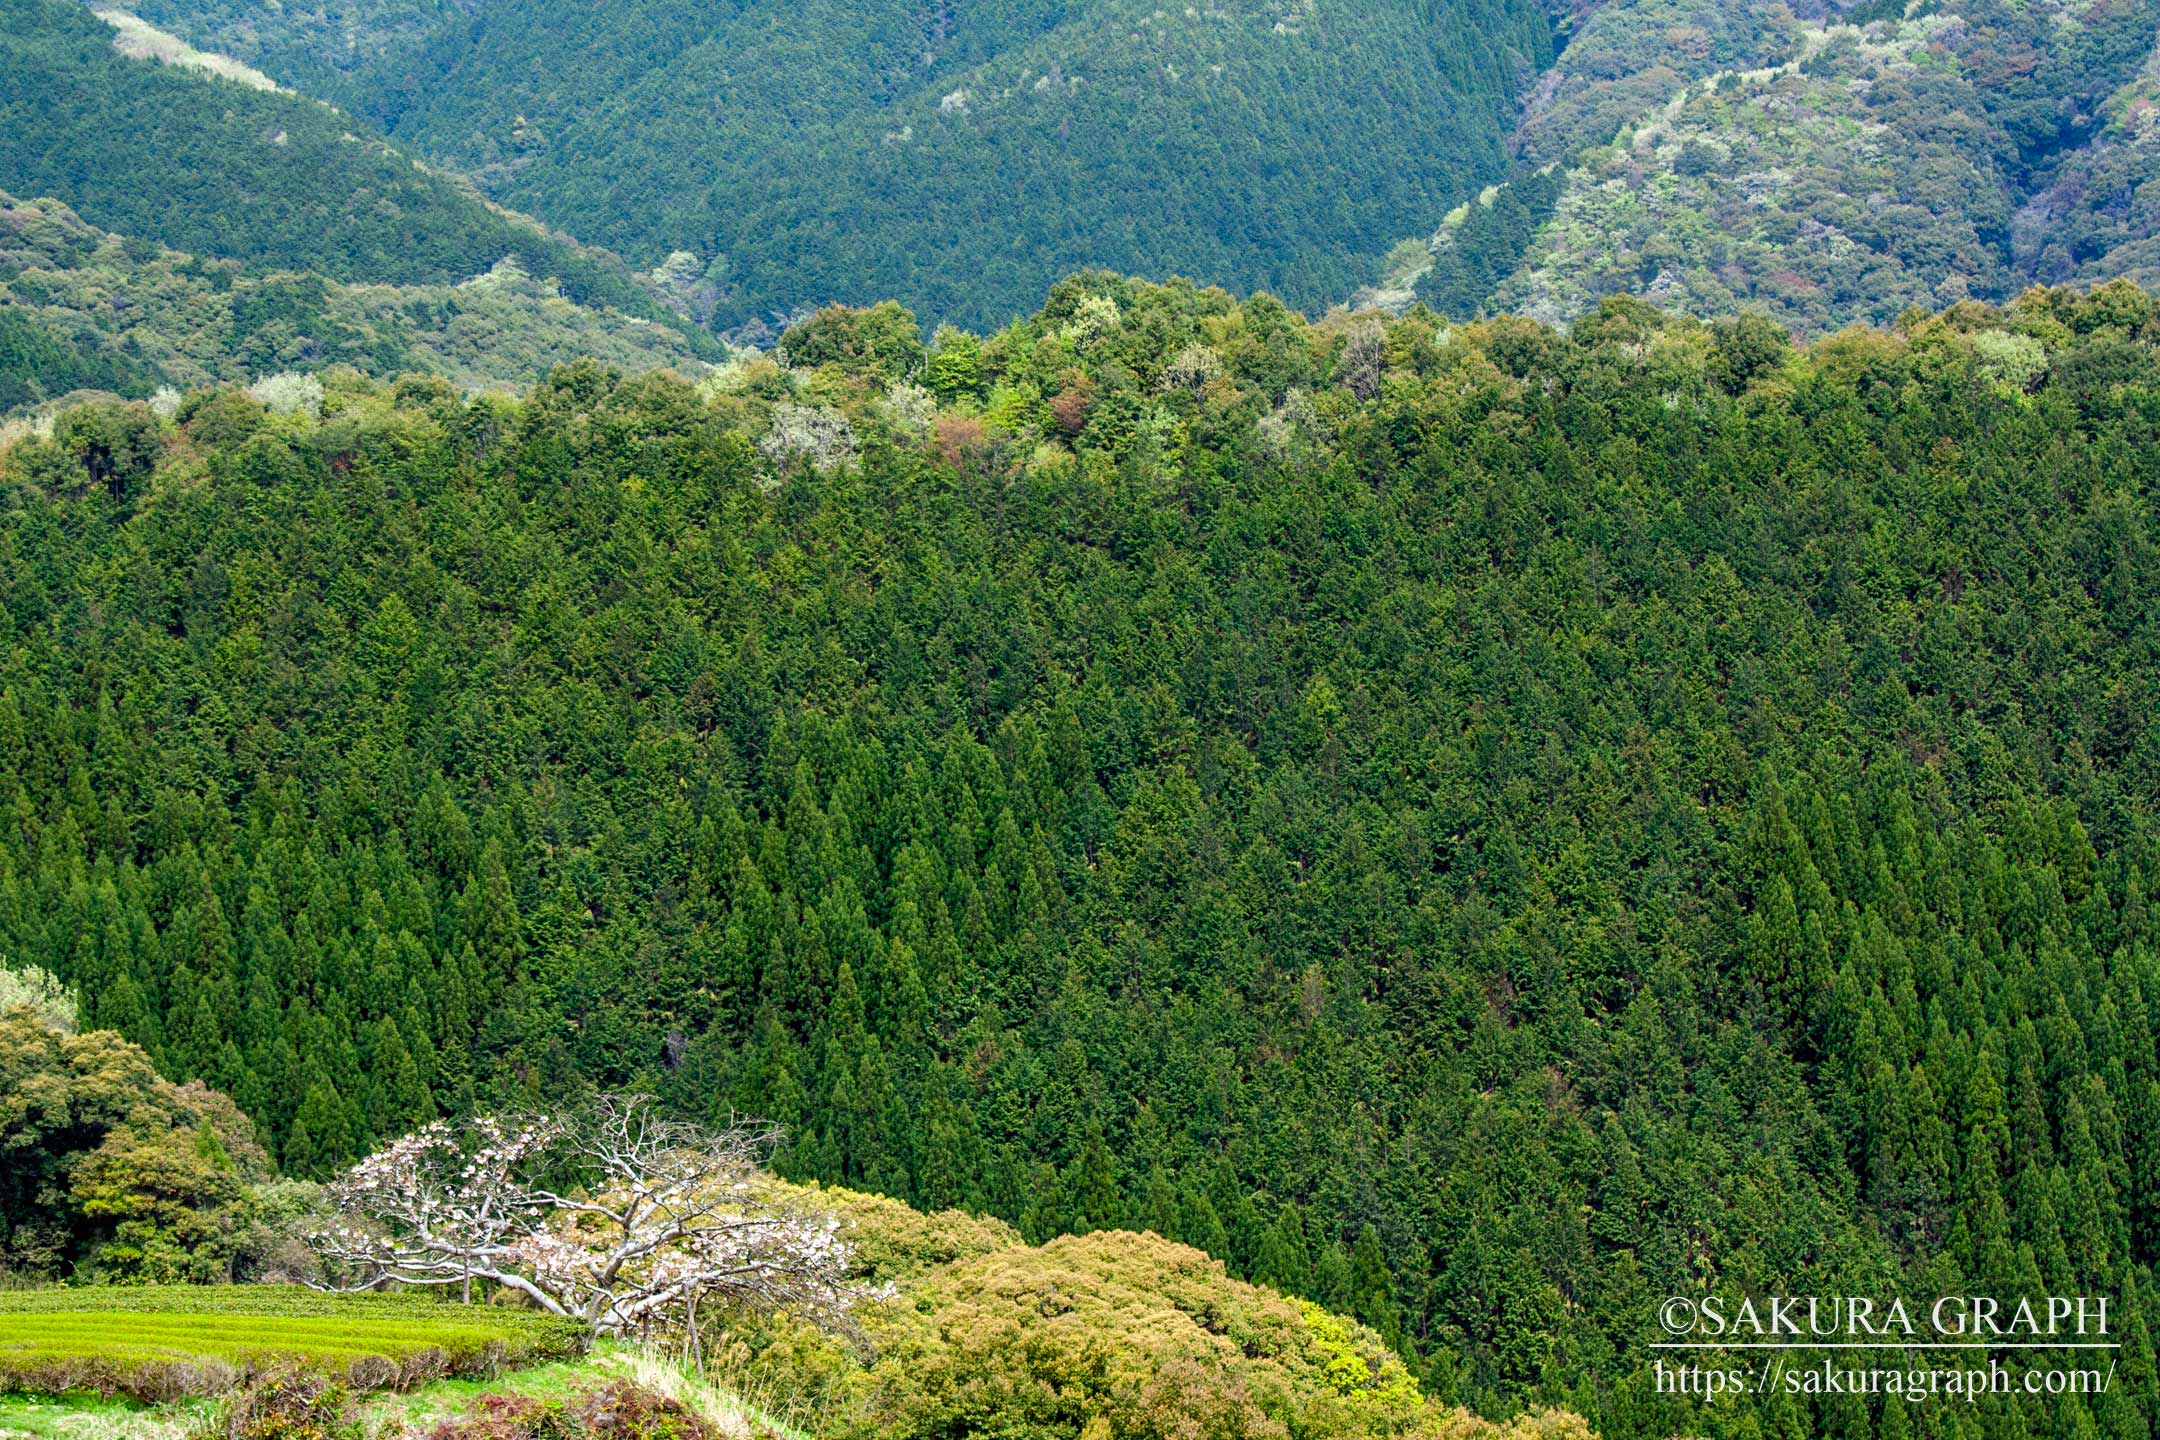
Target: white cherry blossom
[{"x": 617, "y": 1216}]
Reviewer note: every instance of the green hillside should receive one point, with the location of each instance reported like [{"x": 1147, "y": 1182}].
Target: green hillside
[
  {"x": 312, "y": 45},
  {"x": 1478, "y": 827},
  {"x": 958, "y": 157},
  {"x": 222, "y": 170},
  {"x": 1823, "y": 173},
  {"x": 83, "y": 309},
  {"x": 1848, "y": 184},
  {"x": 954, "y": 1325}
]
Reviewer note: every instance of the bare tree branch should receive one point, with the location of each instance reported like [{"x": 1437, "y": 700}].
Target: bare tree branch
[{"x": 662, "y": 1216}]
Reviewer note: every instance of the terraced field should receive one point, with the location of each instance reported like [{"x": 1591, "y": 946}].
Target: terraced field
[{"x": 162, "y": 1343}]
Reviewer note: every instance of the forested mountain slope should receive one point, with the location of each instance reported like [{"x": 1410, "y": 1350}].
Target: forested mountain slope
[
  {"x": 81, "y": 308},
  {"x": 1483, "y": 828},
  {"x": 1825, "y": 172},
  {"x": 312, "y": 44},
  {"x": 958, "y": 156},
  {"x": 196, "y": 228},
  {"x": 216, "y": 168}
]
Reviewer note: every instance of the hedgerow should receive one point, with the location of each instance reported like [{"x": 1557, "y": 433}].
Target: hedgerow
[{"x": 155, "y": 1344}]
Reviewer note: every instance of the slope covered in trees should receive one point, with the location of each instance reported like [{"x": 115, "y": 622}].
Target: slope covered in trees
[
  {"x": 1824, "y": 172},
  {"x": 312, "y": 44},
  {"x": 84, "y": 309},
  {"x": 1482, "y": 828},
  {"x": 219, "y": 169},
  {"x": 957, "y": 156}
]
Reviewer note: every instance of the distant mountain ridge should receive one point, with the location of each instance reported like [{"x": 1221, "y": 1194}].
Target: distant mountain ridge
[
  {"x": 84, "y": 309},
  {"x": 1825, "y": 166},
  {"x": 959, "y": 157},
  {"x": 1824, "y": 172},
  {"x": 168, "y": 218},
  {"x": 171, "y": 155}
]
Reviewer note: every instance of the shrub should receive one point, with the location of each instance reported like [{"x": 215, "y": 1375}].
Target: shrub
[
  {"x": 1133, "y": 1337},
  {"x": 623, "y": 1411},
  {"x": 293, "y": 1407},
  {"x": 619, "y": 1411},
  {"x": 896, "y": 1244},
  {"x": 155, "y": 1343}
]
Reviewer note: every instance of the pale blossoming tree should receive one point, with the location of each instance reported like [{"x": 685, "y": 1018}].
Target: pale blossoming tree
[{"x": 616, "y": 1215}]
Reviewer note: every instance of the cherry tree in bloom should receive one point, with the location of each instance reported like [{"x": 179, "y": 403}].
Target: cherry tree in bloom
[{"x": 614, "y": 1215}]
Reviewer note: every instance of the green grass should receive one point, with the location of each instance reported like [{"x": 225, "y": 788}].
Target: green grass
[
  {"x": 389, "y": 1414},
  {"x": 163, "y": 1343},
  {"x": 92, "y": 1417},
  {"x": 421, "y": 1409}
]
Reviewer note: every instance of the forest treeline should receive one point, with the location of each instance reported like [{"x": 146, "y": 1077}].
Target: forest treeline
[
  {"x": 84, "y": 309},
  {"x": 1483, "y": 827}
]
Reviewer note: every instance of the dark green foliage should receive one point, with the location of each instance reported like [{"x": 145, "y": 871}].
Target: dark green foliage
[
  {"x": 1611, "y": 814},
  {"x": 116, "y": 1175},
  {"x": 1743, "y": 349},
  {"x": 219, "y": 169},
  {"x": 1471, "y": 258},
  {"x": 883, "y": 341},
  {"x": 104, "y": 447},
  {"x": 39, "y": 361},
  {"x": 958, "y": 157}
]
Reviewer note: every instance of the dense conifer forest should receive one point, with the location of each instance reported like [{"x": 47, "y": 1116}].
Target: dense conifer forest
[
  {"x": 1483, "y": 827},
  {"x": 957, "y": 156},
  {"x": 225, "y": 171}
]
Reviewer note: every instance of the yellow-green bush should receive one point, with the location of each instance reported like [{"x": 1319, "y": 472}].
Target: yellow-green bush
[
  {"x": 895, "y": 1243},
  {"x": 1121, "y": 1336}
]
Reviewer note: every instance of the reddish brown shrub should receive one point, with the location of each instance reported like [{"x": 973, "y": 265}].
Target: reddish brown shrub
[
  {"x": 957, "y": 435},
  {"x": 505, "y": 1417},
  {"x": 1069, "y": 407},
  {"x": 625, "y": 1411},
  {"x": 292, "y": 1408},
  {"x": 620, "y": 1411}
]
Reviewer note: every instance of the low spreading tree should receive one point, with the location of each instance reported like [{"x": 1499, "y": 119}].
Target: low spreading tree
[{"x": 611, "y": 1214}]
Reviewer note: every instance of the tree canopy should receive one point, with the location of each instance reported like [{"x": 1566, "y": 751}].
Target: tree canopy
[{"x": 1478, "y": 826}]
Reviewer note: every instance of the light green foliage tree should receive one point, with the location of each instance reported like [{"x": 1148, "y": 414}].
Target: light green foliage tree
[
  {"x": 111, "y": 1172},
  {"x": 289, "y": 394},
  {"x": 42, "y": 995},
  {"x": 955, "y": 365}
]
